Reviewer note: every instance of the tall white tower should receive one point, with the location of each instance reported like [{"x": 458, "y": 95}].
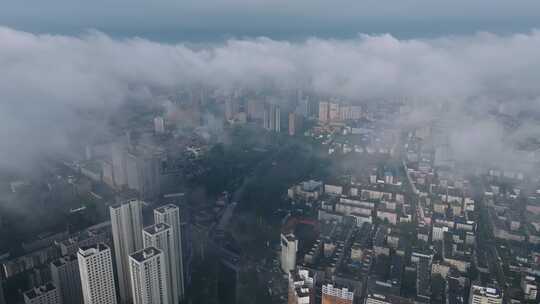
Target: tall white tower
[
  {"x": 118, "y": 153},
  {"x": 170, "y": 214},
  {"x": 126, "y": 222},
  {"x": 97, "y": 277},
  {"x": 159, "y": 125},
  {"x": 289, "y": 248},
  {"x": 161, "y": 236},
  {"x": 148, "y": 277}
]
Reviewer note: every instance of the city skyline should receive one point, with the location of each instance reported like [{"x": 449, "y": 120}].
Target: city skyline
[{"x": 270, "y": 152}]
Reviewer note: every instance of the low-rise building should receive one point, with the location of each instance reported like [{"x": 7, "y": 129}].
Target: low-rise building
[
  {"x": 45, "y": 294},
  {"x": 301, "y": 287},
  {"x": 332, "y": 294},
  {"x": 485, "y": 295}
]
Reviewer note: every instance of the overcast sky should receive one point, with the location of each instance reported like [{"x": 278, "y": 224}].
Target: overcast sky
[{"x": 210, "y": 19}]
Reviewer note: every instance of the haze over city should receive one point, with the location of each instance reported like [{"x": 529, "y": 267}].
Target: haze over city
[{"x": 269, "y": 152}]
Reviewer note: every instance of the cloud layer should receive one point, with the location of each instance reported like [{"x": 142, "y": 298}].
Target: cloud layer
[{"x": 47, "y": 80}]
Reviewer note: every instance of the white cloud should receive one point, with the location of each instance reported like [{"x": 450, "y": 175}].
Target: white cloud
[{"x": 46, "y": 78}]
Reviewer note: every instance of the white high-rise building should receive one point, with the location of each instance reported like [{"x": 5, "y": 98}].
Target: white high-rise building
[
  {"x": 66, "y": 277},
  {"x": 289, "y": 248},
  {"x": 118, "y": 153},
  {"x": 323, "y": 111},
  {"x": 143, "y": 171},
  {"x": 272, "y": 117},
  {"x": 333, "y": 111},
  {"x": 45, "y": 294},
  {"x": 126, "y": 222},
  {"x": 148, "y": 277},
  {"x": 170, "y": 214},
  {"x": 161, "y": 236},
  {"x": 97, "y": 276},
  {"x": 277, "y": 118},
  {"x": 423, "y": 275},
  {"x": 159, "y": 125}
]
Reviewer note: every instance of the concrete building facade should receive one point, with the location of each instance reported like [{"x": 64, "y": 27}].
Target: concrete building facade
[
  {"x": 161, "y": 236},
  {"x": 66, "y": 277},
  {"x": 149, "y": 277},
  {"x": 45, "y": 294},
  {"x": 96, "y": 274},
  {"x": 126, "y": 221},
  {"x": 170, "y": 214},
  {"x": 289, "y": 248}
]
